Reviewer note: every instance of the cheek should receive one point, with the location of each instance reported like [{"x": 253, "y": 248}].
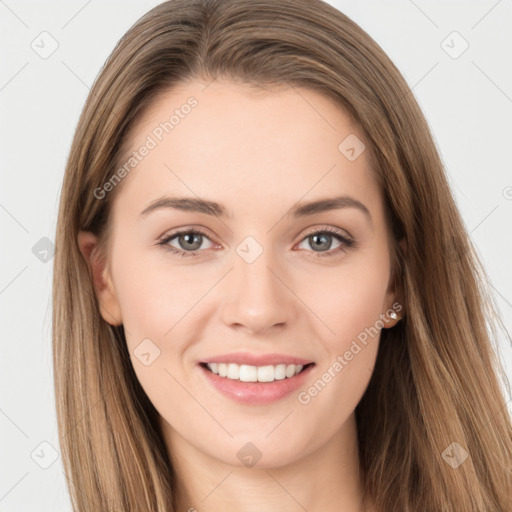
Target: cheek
[
  {"x": 154, "y": 301},
  {"x": 153, "y": 296},
  {"x": 350, "y": 305},
  {"x": 348, "y": 301}
]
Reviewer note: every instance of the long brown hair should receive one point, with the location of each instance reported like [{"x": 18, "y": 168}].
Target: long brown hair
[{"x": 436, "y": 377}]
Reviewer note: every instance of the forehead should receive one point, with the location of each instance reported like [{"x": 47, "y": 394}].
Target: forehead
[{"x": 246, "y": 147}]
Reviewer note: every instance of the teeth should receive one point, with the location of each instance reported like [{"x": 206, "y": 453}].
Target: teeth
[{"x": 246, "y": 373}]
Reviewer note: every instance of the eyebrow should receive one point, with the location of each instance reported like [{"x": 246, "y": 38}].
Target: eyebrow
[{"x": 207, "y": 207}]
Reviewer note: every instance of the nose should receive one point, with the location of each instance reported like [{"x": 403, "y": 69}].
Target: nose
[{"x": 258, "y": 297}]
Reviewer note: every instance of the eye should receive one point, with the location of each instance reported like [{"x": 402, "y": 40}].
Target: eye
[
  {"x": 189, "y": 239},
  {"x": 322, "y": 239}
]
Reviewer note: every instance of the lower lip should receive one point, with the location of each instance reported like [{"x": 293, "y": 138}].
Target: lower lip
[{"x": 255, "y": 393}]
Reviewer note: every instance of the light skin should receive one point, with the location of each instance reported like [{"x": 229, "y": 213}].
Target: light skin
[{"x": 259, "y": 154}]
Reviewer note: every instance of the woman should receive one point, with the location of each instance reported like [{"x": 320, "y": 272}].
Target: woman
[{"x": 322, "y": 345}]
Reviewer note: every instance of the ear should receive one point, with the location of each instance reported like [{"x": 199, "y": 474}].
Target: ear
[
  {"x": 394, "y": 296},
  {"x": 102, "y": 281}
]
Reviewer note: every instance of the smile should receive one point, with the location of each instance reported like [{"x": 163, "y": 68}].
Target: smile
[
  {"x": 248, "y": 373},
  {"x": 255, "y": 385}
]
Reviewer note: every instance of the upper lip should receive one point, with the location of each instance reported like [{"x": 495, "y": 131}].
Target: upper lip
[{"x": 256, "y": 359}]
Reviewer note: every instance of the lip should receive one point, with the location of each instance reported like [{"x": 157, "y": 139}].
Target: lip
[
  {"x": 256, "y": 359},
  {"x": 256, "y": 393}
]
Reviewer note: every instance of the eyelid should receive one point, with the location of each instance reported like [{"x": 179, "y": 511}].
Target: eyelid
[{"x": 329, "y": 229}]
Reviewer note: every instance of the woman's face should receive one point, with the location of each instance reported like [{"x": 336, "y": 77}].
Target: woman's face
[{"x": 262, "y": 278}]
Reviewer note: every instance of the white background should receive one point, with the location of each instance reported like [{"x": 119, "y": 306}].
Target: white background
[{"x": 467, "y": 102}]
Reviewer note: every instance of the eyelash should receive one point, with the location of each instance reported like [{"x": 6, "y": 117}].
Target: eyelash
[{"x": 347, "y": 242}]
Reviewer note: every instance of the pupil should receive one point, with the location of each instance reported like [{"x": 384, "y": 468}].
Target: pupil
[
  {"x": 322, "y": 245},
  {"x": 189, "y": 239}
]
